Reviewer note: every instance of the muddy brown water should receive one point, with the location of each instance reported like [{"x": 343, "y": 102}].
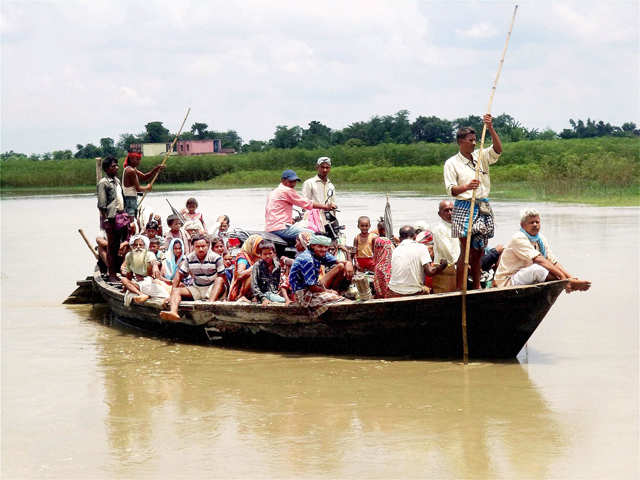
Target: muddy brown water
[{"x": 83, "y": 400}]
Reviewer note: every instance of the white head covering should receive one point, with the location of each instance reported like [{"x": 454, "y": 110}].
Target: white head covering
[
  {"x": 139, "y": 237},
  {"x": 322, "y": 160}
]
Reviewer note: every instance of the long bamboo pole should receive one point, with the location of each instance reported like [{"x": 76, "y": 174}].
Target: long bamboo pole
[
  {"x": 465, "y": 343},
  {"x": 86, "y": 240},
  {"x": 166, "y": 155}
]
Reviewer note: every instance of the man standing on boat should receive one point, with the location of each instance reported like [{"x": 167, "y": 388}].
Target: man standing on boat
[
  {"x": 279, "y": 208},
  {"x": 131, "y": 178},
  {"x": 319, "y": 188},
  {"x": 528, "y": 258},
  {"x": 110, "y": 204},
  {"x": 460, "y": 181}
]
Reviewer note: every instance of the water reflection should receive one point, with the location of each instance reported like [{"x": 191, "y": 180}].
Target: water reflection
[{"x": 324, "y": 414}]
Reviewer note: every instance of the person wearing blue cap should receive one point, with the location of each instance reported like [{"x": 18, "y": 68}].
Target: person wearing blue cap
[{"x": 279, "y": 208}]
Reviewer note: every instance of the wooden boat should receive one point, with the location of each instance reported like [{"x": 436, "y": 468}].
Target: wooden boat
[{"x": 500, "y": 321}]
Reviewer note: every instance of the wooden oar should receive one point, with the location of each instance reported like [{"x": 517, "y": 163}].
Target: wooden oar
[
  {"x": 166, "y": 155},
  {"x": 465, "y": 343},
  {"x": 86, "y": 240}
]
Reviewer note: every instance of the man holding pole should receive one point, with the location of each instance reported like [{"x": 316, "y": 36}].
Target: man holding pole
[
  {"x": 131, "y": 178},
  {"x": 460, "y": 181}
]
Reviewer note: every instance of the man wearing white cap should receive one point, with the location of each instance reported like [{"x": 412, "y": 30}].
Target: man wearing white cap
[{"x": 319, "y": 188}]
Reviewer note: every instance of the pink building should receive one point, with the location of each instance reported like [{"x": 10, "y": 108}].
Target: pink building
[{"x": 196, "y": 147}]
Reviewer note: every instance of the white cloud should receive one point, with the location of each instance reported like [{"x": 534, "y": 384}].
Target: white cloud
[
  {"x": 103, "y": 68},
  {"x": 478, "y": 31}
]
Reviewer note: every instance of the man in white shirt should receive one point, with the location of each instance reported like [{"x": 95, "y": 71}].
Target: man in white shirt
[
  {"x": 528, "y": 258},
  {"x": 410, "y": 262},
  {"x": 319, "y": 188},
  {"x": 444, "y": 245},
  {"x": 460, "y": 181}
]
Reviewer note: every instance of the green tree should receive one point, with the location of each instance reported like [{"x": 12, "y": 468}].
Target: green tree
[
  {"x": 400, "y": 131},
  {"x": 432, "y": 129},
  {"x": 126, "y": 139},
  {"x": 199, "y": 129},
  {"x": 286, "y": 137},
  {"x": 11, "y": 154},
  {"x": 88, "y": 151},
  {"x": 107, "y": 146},
  {"x": 317, "y": 135},
  {"x": 156, "y": 133},
  {"x": 62, "y": 154},
  {"x": 254, "y": 146}
]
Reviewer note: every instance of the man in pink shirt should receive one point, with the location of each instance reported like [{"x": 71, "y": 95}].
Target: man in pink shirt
[{"x": 279, "y": 209}]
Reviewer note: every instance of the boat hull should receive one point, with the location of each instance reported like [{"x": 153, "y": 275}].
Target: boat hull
[{"x": 499, "y": 323}]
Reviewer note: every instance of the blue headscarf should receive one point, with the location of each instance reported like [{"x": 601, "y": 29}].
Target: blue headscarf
[
  {"x": 538, "y": 240},
  {"x": 172, "y": 262}
]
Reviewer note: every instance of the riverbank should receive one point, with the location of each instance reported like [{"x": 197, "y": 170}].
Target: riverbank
[
  {"x": 519, "y": 191},
  {"x": 598, "y": 171}
]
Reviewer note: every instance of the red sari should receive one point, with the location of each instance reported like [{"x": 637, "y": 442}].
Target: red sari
[{"x": 382, "y": 251}]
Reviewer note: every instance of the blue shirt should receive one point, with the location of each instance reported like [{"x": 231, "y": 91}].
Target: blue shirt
[{"x": 306, "y": 268}]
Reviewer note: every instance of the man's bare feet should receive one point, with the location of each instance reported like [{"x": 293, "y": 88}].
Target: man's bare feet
[
  {"x": 170, "y": 316},
  {"x": 575, "y": 284},
  {"x": 141, "y": 298}
]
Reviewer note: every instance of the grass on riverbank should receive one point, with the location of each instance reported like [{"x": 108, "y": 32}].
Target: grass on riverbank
[{"x": 599, "y": 171}]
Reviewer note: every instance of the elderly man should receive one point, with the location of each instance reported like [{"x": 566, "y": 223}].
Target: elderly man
[
  {"x": 460, "y": 181},
  {"x": 304, "y": 277},
  {"x": 444, "y": 245},
  {"x": 110, "y": 205},
  {"x": 528, "y": 259},
  {"x": 318, "y": 188},
  {"x": 207, "y": 270},
  {"x": 410, "y": 262},
  {"x": 140, "y": 272},
  {"x": 279, "y": 208}
]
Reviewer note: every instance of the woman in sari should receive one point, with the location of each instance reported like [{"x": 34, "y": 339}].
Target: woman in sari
[
  {"x": 382, "y": 251},
  {"x": 175, "y": 255},
  {"x": 248, "y": 255}
]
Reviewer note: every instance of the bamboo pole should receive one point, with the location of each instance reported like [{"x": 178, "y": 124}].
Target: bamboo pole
[
  {"x": 465, "y": 343},
  {"x": 86, "y": 240},
  {"x": 166, "y": 155},
  {"x": 98, "y": 169}
]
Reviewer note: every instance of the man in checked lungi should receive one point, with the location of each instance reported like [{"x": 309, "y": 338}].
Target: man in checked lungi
[{"x": 460, "y": 181}]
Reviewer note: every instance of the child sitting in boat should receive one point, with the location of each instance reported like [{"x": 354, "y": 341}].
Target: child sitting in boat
[
  {"x": 363, "y": 244},
  {"x": 175, "y": 230},
  {"x": 191, "y": 213},
  {"x": 265, "y": 276},
  {"x": 140, "y": 271}
]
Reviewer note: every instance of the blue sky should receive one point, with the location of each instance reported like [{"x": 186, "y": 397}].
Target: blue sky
[{"x": 76, "y": 71}]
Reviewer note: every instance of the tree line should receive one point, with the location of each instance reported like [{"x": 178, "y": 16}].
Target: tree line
[{"x": 377, "y": 130}]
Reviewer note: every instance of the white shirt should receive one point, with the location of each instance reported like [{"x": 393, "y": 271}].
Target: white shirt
[
  {"x": 407, "y": 272},
  {"x": 444, "y": 246},
  {"x": 519, "y": 254},
  {"x": 459, "y": 171},
  {"x": 316, "y": 190}
]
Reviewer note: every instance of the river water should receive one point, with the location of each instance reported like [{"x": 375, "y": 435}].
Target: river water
[{"x": 82, "y": 400}]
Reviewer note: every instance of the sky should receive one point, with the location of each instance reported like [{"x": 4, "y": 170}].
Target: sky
[{"x": 73, "y": 72}]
